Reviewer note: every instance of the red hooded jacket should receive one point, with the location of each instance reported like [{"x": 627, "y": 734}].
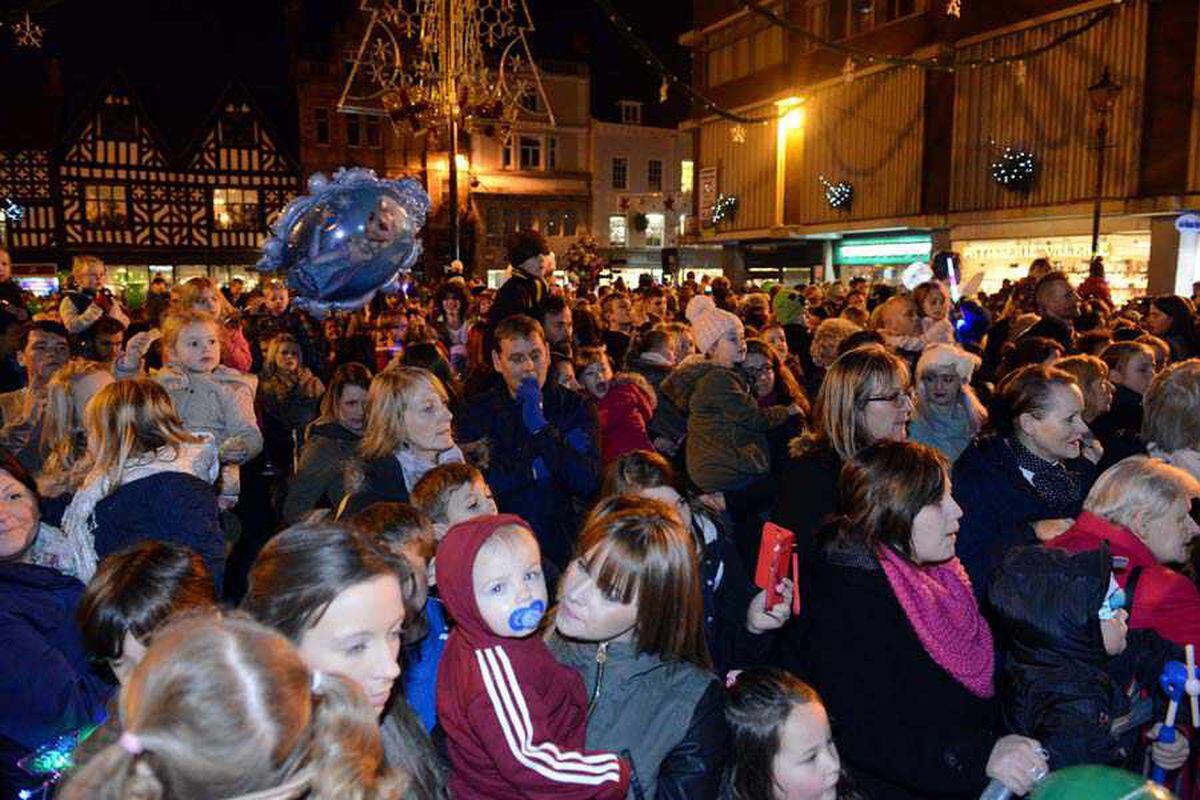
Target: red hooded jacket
[
  {"x": 515, "y": 719},
  {"x": 1165, "y": 601}
]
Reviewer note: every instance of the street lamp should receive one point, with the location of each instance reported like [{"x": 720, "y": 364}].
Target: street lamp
[{"x": 1102, "y": 95}]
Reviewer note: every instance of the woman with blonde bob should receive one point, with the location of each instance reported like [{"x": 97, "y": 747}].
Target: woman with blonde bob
[
  {"x": 865, "y": 398},
  {"x": 407, "y": 434},
  {"x": 63, "y": 443},
  {"x": 223, "y": 707},
  {"x": 630, "y": 620},
  {"x": 149, "y": 479},
  {"x": 1144, "y": 509},
  {"x": 202, "y": 294}
]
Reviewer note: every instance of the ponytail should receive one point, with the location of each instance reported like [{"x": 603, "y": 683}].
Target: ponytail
[
  {"x": 347, "y": 758},
  {"x": 116, "y": 773}
]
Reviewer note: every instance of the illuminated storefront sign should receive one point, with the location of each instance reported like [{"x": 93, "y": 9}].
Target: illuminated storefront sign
[{"x": 883, "y": 250}]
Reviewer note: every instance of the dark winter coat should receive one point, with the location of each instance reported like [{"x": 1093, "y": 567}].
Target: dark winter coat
[
  {"x": 999, "y": 505},
  {"x": 808, "y": 493},
  {"x": 667, "y": 715},
  {"x": 47, "y": 684},
  {"x": 1053, "y": 329},
  {"x": 1120, "y": 428},
  {"x": 380, "y": 480},
  {"x": 167, "y": 507},
  {"x": 319, "y": 477},
  {"x": 727, "y": 445},
  {"x": 669, "y": 423},
  {"x": 544, "y": 478},
  {"x": 520, "y": 294},
  {"x": 1060, "y": 686},
  {"x": 904, "y": 727}
]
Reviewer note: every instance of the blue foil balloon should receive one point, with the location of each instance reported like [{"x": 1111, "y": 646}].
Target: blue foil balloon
[{"x": 348, "y": 238}]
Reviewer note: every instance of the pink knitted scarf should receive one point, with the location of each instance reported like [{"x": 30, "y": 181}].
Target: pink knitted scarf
[{"x": 941, "y": 607}]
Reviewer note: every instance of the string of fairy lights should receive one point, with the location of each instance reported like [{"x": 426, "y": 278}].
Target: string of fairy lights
[{"x": 856, "y": 56}]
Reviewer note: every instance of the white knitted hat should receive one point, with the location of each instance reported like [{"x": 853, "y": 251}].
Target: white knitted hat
[{"x": 709, "y": 323}]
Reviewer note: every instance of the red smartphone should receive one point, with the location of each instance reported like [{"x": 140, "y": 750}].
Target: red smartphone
[{"x": 774, "y": 560}]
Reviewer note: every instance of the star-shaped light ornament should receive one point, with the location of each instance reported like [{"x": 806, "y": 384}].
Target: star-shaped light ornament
[
  {"x": 28, "y": 33},
  {"x": 738, "y": 134},
  {"x": 954, "y": 8}
]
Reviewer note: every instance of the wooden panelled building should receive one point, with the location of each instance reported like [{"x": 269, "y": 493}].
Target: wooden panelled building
[
  {"x": 917, "y": 146},
  {"x": 110, "y": 185}
]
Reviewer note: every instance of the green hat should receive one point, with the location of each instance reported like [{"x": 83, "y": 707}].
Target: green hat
[
  {"x": 1098, "y": 783},
  {"x": 788, "y": 306}
]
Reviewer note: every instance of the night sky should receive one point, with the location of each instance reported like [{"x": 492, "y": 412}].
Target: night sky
[{"x": 179, "y": 54}]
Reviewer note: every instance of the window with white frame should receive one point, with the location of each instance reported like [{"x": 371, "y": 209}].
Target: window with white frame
[
  {"x": 570, "y": 222},
  {"x": 654, "y": 175},
  {"x": 506, "y": 158},
  {"x": 353, "y": 130},
  {"x": 531, "y": 152},
  {"x": 620, "y": 173},
  {"x": 235, "y": 209},
  {"x": 105, "y": 206},
  {"x": 550, "y": 227},
  {"x": 655, "y": 230},
  {"x": 683, "y": 224},
  {"x": 374, "y": 132},
  {"x": 631, "y": 112},
  {"x": 617, "y": 230},
  {"x": 687, "y": 175}
]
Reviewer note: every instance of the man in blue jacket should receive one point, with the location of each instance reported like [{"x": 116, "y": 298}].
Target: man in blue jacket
[{"x": 543, "y": 460}]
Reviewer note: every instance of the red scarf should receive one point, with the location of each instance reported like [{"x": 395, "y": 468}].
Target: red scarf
[{"x": 939, "y": 604}]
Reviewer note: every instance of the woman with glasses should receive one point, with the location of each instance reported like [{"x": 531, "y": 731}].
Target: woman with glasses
[
  {"x": 1027, "y": 477},
  {"x": 865, "y": 398},
  {"x": 948, "y": 415}
]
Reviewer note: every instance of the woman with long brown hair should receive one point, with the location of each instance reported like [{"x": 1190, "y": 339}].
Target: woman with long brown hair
[{"x": 630, "y": 621}]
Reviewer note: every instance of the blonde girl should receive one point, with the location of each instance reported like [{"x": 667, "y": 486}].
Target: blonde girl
[
  {"x": 149, "y": 479},
  {"x": 290, "y": 397},
  {"x": 202, "y": 294},
  {"x": 223, "y": 707},
  {"x": 63, "y": 445}
]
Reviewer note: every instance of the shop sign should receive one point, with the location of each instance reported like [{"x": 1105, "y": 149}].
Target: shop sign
[
  {"x": 883, "y": 250},
  {"x": 1187, "y": 223},
  {"x": 708, "y": 194},
  {"x": 1026, "y": 250}
]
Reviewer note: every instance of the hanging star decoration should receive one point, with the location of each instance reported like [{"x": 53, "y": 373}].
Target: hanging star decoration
[
  {"x": 11, "y": 211},
  {"x": 28, "y": 33},
  {"x": 1015, "y": 169},
  {"x": 954, "y": 8},
  {"x": 839, "y": 195},
  {"x": 848, "y": 70},
  {"x": 662, "y": 91},
  {"x": 738, "y": 134}
]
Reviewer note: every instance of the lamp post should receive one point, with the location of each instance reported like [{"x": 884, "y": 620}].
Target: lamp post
[{"x": 1102, "y": 95}]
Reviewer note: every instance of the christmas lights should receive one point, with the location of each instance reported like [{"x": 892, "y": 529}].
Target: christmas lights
[
  {"x": 724, "y": 208},
  {"x": 1015, "y": 169},
  {"x": 839, "y": 195}
]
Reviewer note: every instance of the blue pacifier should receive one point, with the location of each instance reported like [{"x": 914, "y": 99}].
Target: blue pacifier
[{"x": 527, "y": 617}]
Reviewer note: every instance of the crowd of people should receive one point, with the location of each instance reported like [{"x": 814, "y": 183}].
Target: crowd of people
[{"x": 479, "y": 543}]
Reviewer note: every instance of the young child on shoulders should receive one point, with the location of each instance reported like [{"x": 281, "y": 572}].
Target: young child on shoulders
[
  {"x": 407, "y": 533},
  {"x": 1075, "y": 671},
  {"x": 933, "y": 309},
  {"x": 625, "y": 404},
  {"x": 208, "y": 397},
  {"x": 515, "y": 719}
]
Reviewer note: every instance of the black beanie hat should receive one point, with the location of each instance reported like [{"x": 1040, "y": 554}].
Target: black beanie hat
[{"x": 524, "y": 245}]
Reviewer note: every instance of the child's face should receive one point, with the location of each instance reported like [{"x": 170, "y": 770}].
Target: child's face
[
  {"x": 807, "y": 766},
  {"x": 778, "y": 340},
  {"x": 198, "y": 348},
  {"x": 509, "y": 587},
  {"x": 564, "y": 376},
  {"x": 1136, "y": 374},
  {"x": 470, "y": 500},
  {"x": 410, "y": 551},
  {"x": 288, "y": 358},
  {"x": 596, "y": 378},
  {"x": 93, "y": 277},
  {"x": 934, "y": 305}
]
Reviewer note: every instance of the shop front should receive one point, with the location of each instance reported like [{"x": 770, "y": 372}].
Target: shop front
[
  {"x": 1126, "y": 260},
  {"x": 881, "y": 258}
]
